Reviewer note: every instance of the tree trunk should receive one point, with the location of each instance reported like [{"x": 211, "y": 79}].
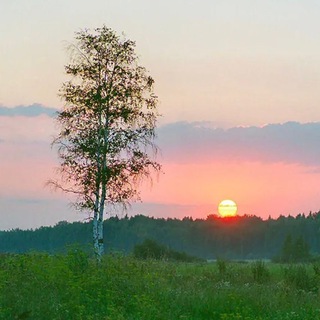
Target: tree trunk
[
  {"x": 95, "y": 226},
  {"x": 100, "y": 244},
  {"x": 100, "y": 200},
  {"x": 95, "y": 235},
  {"x": 100, "y": 239}
]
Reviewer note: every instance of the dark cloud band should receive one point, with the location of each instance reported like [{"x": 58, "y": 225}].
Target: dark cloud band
[
  {"x": 291, "y": 142},
  {"x": 33, "y": 110}
]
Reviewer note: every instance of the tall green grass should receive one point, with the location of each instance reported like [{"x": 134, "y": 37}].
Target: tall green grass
[{"x": 40, "y": 286}]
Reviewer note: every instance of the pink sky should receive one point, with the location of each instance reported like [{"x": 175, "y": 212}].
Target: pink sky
[
  {"x": 224, "y": 71},
  {"x": 266, "y": 170},
  {"x": 269, "y": 170},
  {"x": 257, "y": 188}
]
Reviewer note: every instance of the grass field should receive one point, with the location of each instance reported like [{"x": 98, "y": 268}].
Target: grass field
[{"x": 72, "y": 286}]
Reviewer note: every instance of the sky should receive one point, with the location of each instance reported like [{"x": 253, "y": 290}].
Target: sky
[{"x": 238, "y": 84}]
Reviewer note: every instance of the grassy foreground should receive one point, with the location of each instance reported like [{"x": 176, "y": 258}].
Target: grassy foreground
[{"x": 39, "y": 286}]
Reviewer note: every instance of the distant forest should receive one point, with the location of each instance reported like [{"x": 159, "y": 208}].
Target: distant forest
[{"x": 245, "y": 237}]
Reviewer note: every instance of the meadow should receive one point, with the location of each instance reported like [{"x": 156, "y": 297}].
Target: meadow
[{"x": 73, "y": 286}]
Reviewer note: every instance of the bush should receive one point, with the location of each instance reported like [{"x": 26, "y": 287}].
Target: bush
[
  {"x": 297, "y": 276},
  {"x": 150, "y": 249},
  {"x": 222, "y": 266},
  {"x": 260, "y": 271},
  {"x": 77, "y": 259}
]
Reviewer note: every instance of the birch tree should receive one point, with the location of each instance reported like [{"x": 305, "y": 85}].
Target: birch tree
[{"x": 107, "y": 125}]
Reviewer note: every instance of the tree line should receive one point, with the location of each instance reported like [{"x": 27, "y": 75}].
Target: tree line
[{"x": 243, "y": 237}]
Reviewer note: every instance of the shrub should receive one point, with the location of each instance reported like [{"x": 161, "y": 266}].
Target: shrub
[
  {"x": 222, "y": 266},
  {"x": 77, "y": 259},
  {"x": 297, "y": 276},
  {"x": 150, "y": 249},
  {"x": 260, "y": 271}
]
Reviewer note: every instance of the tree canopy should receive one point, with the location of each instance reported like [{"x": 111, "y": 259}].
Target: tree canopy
[{"x": 107, "y": 126}]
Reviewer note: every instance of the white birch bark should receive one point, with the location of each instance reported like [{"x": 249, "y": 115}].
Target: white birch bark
[
  {"x": 100, "y": 239},
  {"x": 100, "y": 201},
  {"x": 95, "y": 235}
]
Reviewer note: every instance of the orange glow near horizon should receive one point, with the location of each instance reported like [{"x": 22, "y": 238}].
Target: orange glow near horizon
[{"x": 261, "y": 189}]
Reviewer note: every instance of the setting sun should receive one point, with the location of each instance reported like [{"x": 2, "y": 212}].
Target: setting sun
[{"x": 227, "y": 208}]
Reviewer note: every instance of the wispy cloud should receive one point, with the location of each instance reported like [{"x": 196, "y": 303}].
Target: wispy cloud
[
  {"x": 33, "y": 110},
  {"x": 290, "y": 142}
]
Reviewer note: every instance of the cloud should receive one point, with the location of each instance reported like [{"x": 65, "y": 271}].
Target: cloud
[
  {"x": 290, "y": 142},
  {"x": 33, "y": 110}
]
